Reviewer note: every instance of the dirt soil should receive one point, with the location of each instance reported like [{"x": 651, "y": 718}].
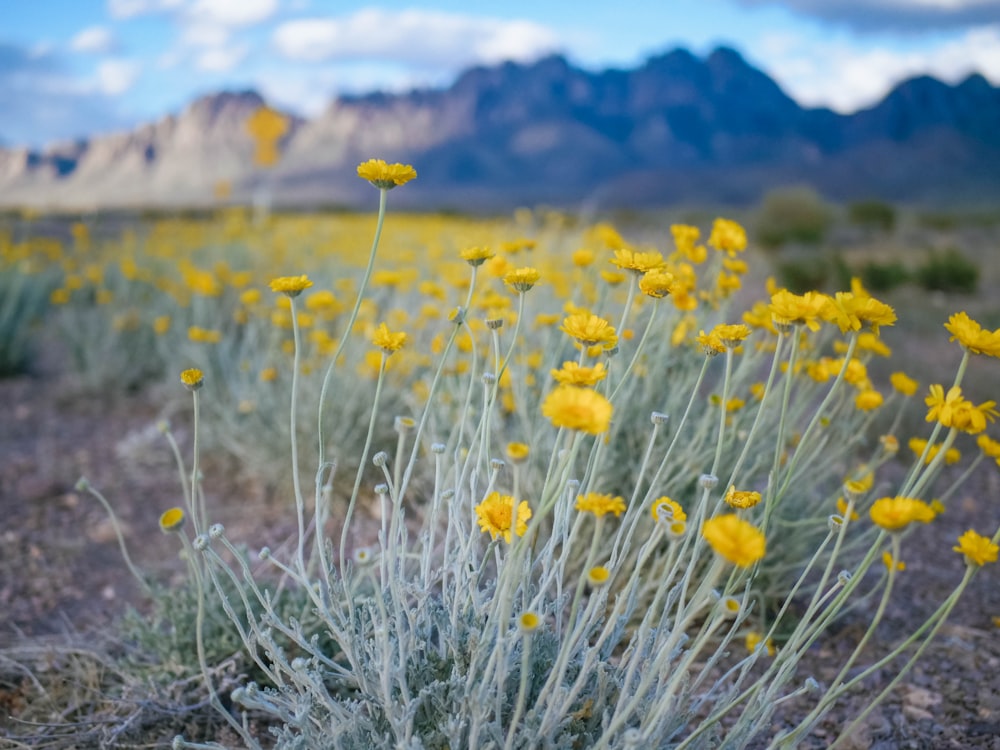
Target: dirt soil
[{"x": 61, "y": 570}]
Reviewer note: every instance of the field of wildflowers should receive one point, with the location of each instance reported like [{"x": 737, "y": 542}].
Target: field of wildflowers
[{"x": 613, "y": 509}]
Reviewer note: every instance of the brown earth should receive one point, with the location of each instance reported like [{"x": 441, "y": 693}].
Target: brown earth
[{"x": 61, "y": 572}]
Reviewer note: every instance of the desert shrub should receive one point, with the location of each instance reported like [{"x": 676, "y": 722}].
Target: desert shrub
[
  {"x": 948, "y": 271},
  {"x": 792, "y": 215},
  {"x": 883, "y": 276},
  {"x": 872, "y": 214},
  {"x": 23, "y": 302}
]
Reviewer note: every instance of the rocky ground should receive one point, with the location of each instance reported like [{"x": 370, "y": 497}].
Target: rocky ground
[{"x": 62, "y": 579}]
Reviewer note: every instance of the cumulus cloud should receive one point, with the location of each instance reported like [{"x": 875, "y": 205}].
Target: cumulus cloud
[
  {"x": 220, "y": 59},
  {"x": 421, "y": 37},
  {"x": 94, "y": 40},
  {"x": 50, "y": 103},
  {"x": 846, "y": 76},
  {"x": 232, "y": 12},
  {"x": 895, "y": 15},
  {"x": 116, "y": 76},
  {"x": 132, "y": 8}
]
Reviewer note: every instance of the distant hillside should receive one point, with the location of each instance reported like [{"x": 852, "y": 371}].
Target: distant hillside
[{"x": 678, "y": 128}]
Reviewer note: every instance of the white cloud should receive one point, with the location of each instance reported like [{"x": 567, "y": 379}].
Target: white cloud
[
  {"x": 232, "y": 12},
  {"x": 132, "y": 8},
  {"x": 846, "y": 76},
  {"x": 899, "y": 15},
  {"x": 220, "y": 59},
  {"x": 420, "y": 37},
  {"x": 115, "y": 77},
  {"x": 93, "y": 39}
]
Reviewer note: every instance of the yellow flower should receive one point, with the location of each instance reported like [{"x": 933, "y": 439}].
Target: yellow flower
[
  {"x": 292, "y": 286},
  {"x": 903, "y": 383},
  {"x": 522, "y": 279},
  {"x": 978, "y": 549},
  {"x": 583, "y": 257},
  {"x": 657, "y": 283},
  {"x": 203, "y": 335},
  {"x": 972, "y": 336},
  {"x": 598, "y": 576},
  {"x": 192, "y": 379},
  {"x": 518, "y": 452},
  {"x": 842, "y": 510},
  {"x": 990, "y": 447},
  {"x": 895, "y": 513},
  {"x": 388, "y": 341},
  {"x": 686, "y": 239},
  {"x": 172, "y": 520},
  {"x": 731, "y": 335},
  {"x": 741, "y": 498},
  {"x": 476, "y": 256},
  {"x": 850, "y": 312},
  {"x": 638, "y": 263},
  {"x": 753, "y": 639},
  {"x": 951, "y": 456},
  {"x": 710, "y": 343},
  {"x": 385, "y": 176},
  {"x": 738, "y": 541},
  {"x": 789, "y": 309},
  {"x": 580, "y": 409},
  {"x": 528, "y": 622},
  {"x": 890, "y": 563},
  {"x": 161, "y": 324},
  {"x": 572, "y": 373},
  {"x": 952, "y": 410},
  {"x": 495, "y": 513},
  {"x": 600, "y": 504},
  {"x": 665, "y": 508},
  {"x": 269, "y": 374},
  {"x": 590, "y": 330},
  {"x": 868, "y": 400},
  {"x": 728, "y": 237}
]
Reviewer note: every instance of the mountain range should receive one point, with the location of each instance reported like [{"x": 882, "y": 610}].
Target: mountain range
[{"x": 677, "y": 129}]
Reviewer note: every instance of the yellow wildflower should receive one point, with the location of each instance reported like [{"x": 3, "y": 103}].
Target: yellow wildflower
[
  {"x": 637, "y": 262},
  {"x": 753, "y": 639},
  {"x": 572, "y": 373},
  {"x": 172, "y": 520},
  {"x": 600, "y": 504},
  {"x": 598, "y": 576},
  {"x": 868, "y": 400},
  {"x": 385, "y": 176},
  {"x": 686, "y": 238},
  {"x": 388, "y": 341},
  {"x": 789, "y": 309},
  {"x": 742, "y": 499},
  {"x": 731, "y": 335},
  {"x": 890, "y": 562},
  {"x": 518, "y": 452},
  {"x": 978, "y": 549},
  {"x": 728, "y": 237},
  {"x": 738, "y": 541},
  {"x": 291, "y": 286},
  {"x": 192, "y": 379},
  {"x": 495, "y": 514},
  {"x": 842, "y": 507},
  {"x": 972, "y": 336},
  {"x": 522, "y": 279},
  {"x": 528, "y": 622},
  {"x": 666, "y": 508},
  {"x": 590, "y": 330},
  {"x": 904, "y": 383},
  {"x": 990, "y": 447},
  {"x": 657, "y": 283},
  {"x": 895, "y": 513},
  {"x": 580, "y": 409},
  {"x": 476, "y": 256},
  {"x": 710, "y": 343}
]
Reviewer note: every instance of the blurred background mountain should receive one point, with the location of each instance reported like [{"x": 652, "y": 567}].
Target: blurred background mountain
[{"x": 677, "y": 129}]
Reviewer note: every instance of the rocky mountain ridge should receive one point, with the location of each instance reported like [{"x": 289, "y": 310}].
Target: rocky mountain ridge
[{"x": 675, "y": 129}]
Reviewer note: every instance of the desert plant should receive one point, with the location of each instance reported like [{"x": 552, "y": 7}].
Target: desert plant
[
  {"x": 872, "y": 214},
  {"x": 792, "y": 215},
  {"x": 948, "y": 271}
]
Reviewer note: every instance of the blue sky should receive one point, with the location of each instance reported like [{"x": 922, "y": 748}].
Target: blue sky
[{"x": 70, "y": 68}]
